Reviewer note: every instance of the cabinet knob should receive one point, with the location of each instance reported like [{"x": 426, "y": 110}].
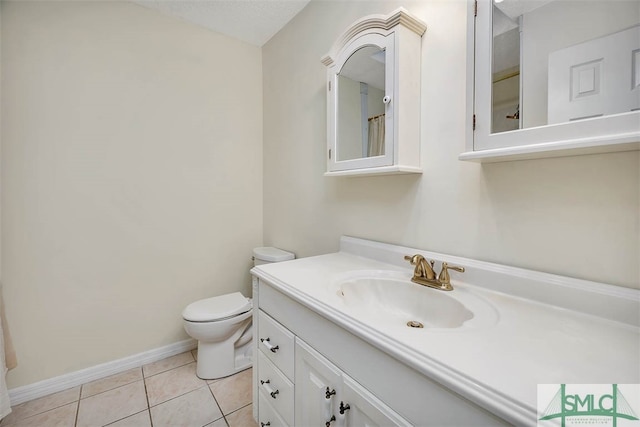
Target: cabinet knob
[
  {"x": 268, "y": 423},
  {"x": 344, "y": 408},
  {"x": 332, "y": 419},
  {"x": 328, "y": 393}
]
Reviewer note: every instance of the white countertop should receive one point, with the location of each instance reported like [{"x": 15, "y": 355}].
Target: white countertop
[{"x": 497, "y": 366}]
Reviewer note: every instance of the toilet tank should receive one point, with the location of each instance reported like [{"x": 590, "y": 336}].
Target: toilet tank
[{"x": 266, "y": 255}]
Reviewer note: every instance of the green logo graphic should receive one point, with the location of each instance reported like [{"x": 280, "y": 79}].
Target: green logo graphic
[{"x": 565, "y": 405}]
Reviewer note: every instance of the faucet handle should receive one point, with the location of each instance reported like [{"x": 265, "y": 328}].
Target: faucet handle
[
  {"x": 413, "y": 259},
  {"x": 444, "y": 277}
]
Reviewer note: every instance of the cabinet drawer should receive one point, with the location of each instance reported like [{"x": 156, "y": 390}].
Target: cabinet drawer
[
  {"x": 277, "y": 343},
  {"x": 267, "y": 416},
  {"x": 276, "y": 388}
]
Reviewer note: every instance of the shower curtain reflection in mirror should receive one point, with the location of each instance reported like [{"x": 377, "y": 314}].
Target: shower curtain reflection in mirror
[{"x": 375, "y": 146}]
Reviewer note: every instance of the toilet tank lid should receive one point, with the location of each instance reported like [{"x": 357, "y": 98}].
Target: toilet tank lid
[
  {"x": 217, "y": 308},
  {"x": 271, "y": 254}
]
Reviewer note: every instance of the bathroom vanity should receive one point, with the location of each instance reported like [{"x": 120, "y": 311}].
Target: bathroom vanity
[{"x": 339, "y": 341}]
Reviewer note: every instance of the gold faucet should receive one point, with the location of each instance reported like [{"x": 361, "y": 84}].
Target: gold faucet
[{"x": 426, "y": 276}]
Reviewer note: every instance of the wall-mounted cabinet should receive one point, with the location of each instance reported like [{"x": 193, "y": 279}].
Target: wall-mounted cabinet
[
  {"x": 552, "y": 78},
  {"x": 373, "y": 97}
]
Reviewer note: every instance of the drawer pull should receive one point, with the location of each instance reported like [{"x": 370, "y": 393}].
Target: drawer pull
[
  {"x": 328, "y": 393},
  {"x": 328, "y": 403},
  {"x": 268, "y": 423},
  {"x": 268, "y": 388},
  {"x": 342, "y": 418},
  {"x": 328, "y": 423},
  {"x": 268, "y": 344}
]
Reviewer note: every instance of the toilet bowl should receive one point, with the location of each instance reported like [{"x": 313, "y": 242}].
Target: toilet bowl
[{"x": 223, "y": 326}]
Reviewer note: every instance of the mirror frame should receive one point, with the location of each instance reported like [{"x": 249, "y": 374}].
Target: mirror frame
[{"x": 587, "y": 136}]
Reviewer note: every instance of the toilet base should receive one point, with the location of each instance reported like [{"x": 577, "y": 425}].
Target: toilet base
[{"x": 217, "y": 360}]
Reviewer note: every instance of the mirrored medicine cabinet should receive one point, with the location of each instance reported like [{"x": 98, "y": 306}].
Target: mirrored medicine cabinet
[
  {"x": 373, "y": 97},
  {"x": 552, "y": 78}
]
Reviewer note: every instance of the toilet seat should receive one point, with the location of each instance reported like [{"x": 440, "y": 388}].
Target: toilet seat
[{"x": 217, "y": 308}]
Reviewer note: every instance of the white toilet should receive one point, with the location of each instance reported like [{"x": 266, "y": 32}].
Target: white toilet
[{"x": 222, "y": 325}]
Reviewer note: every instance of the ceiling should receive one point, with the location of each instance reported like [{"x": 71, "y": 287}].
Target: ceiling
[
  {"x": 252, "y": 21},
  {"x": 515, "y": 8}
]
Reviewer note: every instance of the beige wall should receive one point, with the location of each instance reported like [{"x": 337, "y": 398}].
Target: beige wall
[
  {"x": 131, "y": 171},
  {"x": 575, "y": 216},
  {"x": 132, "y": 164}
]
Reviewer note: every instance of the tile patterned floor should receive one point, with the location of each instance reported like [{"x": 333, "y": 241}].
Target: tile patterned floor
[{"x": 164, "y": 393}]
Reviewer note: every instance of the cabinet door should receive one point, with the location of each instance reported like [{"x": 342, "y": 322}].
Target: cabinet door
[
  {"x": 365, "y": 409},
  {"x": 315, "y": 405}
]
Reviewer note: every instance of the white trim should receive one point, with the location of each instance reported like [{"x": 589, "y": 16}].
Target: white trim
[
  {"x": 372, "y": 23},
  {"x": 378, "y": 170},
  {"x": 567, "y": 147},
  {"x": 52, "y": 385}
]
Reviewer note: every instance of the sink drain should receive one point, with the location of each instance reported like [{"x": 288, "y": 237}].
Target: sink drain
[{"x": 414, "y": 324}]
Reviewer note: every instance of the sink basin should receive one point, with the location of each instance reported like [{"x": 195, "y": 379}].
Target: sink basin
[{"x": 391, "y": 298}]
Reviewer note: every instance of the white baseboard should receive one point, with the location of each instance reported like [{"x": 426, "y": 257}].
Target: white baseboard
[{"x": 52, "y": 385}]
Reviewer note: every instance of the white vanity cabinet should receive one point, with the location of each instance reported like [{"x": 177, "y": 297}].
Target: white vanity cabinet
[
  {"x": 327, "y": 365},
  {"x": 321, "y": 393}
]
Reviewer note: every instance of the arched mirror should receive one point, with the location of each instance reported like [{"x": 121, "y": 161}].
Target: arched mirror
[
  {"x": 361, "y": 107},
  {"x": 554, "y": 77}
]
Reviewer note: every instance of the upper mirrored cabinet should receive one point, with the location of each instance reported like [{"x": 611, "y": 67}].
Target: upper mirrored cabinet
[
  {"x": 373, "y": 97},
  {"x": 552, "y": 78}
]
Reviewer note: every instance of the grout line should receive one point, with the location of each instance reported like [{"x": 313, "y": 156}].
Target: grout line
[
  {"x": 75, "y": 424},
  {"x": 124, "y": 418},
  {"x": 168, "y": 369},
  {"x": 110, "y": 389},
  {"x": 217, "y": 403},
  {"x": 146, "y": 395},
  {"x": 21, "y": 419},
  {"x": 47, "y": 410},
  {"x": 175, "y": 397},
  {"x": 242, "y": 407}
]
